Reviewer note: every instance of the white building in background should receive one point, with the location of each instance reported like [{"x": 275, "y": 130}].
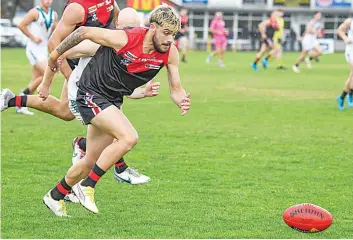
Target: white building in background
[{"x": 243, "y": 16}]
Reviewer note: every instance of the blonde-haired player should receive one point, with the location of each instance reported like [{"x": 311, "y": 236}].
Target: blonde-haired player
[
  {"x": 347, "y": 25},
  {"x": 126, "y": 60}
]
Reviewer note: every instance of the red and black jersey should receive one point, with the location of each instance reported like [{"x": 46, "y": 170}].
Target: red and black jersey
[
  {"x": 98, "y": 13},
  {"x": 113, "y": 74},
  {"x": 184, "y": 20}
]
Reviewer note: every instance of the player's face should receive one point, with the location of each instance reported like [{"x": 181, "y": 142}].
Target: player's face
[
  {"x": 317, "y": 16},
  {"x": 219, "y": 15},
  {"x": 162, "y": 39},
  {"x": 47, "y": 3}
]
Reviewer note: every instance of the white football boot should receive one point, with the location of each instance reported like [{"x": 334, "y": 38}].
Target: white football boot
[
  {"x": 6, "y": 95},
  {"x": 308, "y": 62},
  {"x": 77, "y": 152},
  {"x": 71, "y": 197},
  {"x": 57, "y": 207},
  {"x": 132, "y": 176},
  {"x": 296, "y": 69},
  {"x": 24, "y": 110},
  {"x": 86, "y": 196}
]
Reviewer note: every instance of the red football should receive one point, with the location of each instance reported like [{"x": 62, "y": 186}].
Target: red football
[{"x": 307, "y": 217}]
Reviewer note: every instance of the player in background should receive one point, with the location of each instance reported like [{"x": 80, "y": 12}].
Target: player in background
[
  {"x": 347, "y": 25},
  {"x": 313, "y": 28},
  {"x": 309, "y": 59},
  {"x": 219, "y": 33},
  {"x": 182, "y": 35},
  {"x": 92, "y": 13},
  {"x": 37, "y": 25},
  {"x": 128, "y": 59},
  {"x": 278, "y": 40},
  {"x": 267, "y": 30}
]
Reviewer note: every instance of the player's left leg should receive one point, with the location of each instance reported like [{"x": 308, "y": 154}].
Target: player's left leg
[
  {"x": 264, "y": 48},
  {"x": 301, "y": 58},
  {"x": 316, "y": 52},
  {"x": 222, "y": 50}
]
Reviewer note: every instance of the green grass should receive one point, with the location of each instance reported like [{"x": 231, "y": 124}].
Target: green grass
[{"x": 252, "y": 145}]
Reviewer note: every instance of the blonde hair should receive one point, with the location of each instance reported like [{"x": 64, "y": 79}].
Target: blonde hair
[{"x": 166, "y": 16}]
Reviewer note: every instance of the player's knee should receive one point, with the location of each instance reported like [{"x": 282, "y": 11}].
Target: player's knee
[
  {"x": 65, "y": 113},
  {"x": 129, "y": 141}
]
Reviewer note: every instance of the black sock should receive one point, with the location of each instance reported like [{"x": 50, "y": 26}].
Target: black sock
[
  {"x": 343, "y": 95},
  {"x": 61, "y": 189},
  {"x": 350, "y": 92},
  {"x": 18, "y": 101},
  {"x": 120, "y": 166},
  {"x": 82, "y": 144},
  {"x": 93, "y": 177},
  {"x": 297, "y": 65},
  {"x": 26, "y": 91},
  {"x": 311, "y": 58}
]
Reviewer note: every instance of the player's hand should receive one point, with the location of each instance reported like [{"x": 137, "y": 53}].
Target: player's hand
[
  {"x": 53, "y": 64},
  {"x": 37, "y": 40},
  {"x": 185, "y": 104},
  {"x": 43, "y": 91},
  {"x": 348, "y": 41},
  {"x": 152, "y": 89}
]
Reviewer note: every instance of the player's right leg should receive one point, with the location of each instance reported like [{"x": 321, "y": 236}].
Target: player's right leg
[
  {"x": 78, "y": 171},
  {"x": 259, "y": 55},
  {"x": 52, "y": 105},
  {"x": 301, "y": 58}
]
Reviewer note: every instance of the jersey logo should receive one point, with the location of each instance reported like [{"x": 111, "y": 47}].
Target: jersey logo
[
  {"x": 99, "y": 5},
  {"x": 107, "y": 2},
  {"x": 109, "y": 9},
  {"x": 92, "y": 9},
  {"x": 151, "y": 66},
  {"x": 130, "y": 55},
  {"x": 125, "y": 61}
]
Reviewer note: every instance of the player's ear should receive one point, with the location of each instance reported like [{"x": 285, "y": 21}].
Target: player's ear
[{"x": 153, "y": 27}]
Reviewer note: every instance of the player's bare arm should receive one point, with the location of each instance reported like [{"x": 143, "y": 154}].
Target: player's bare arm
[
  {"x": 177, "y": 92},
  {"x": 341, "y": 30},
  {"x": 30, "y": 17},
  {"x": 262, "y": 28},
  {"x": 74, "y": 14},
  {"x": 86, "y": 48},
  {"x": 110, "y": 38},
  {"x": 150, "y": 90}
]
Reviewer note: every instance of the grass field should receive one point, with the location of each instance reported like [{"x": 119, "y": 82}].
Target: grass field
[{"x": 252, "y": 145}]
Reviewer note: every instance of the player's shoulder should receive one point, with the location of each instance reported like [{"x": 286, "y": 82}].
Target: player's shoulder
[
  {"x": 136, "y": 30},
  {"x": 75, "y": 5}
]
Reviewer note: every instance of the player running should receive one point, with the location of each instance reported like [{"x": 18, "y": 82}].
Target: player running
[
  {"x": 128, "y": 59},
  {"x": 37, "y": 25},
  {"x": 76, "y": 13},
  {"x": 267, "y": 28},
  {"x": 220, "y": 34},
  {"x": 182, "y": 35},
  {"x": 313, "y": 28},
  {"x": 347, "y": 25},
  {"x": 278, "y": 40}
]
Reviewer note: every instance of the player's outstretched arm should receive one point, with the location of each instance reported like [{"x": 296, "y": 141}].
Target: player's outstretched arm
[
  {"x": 86, "y": 48},
  {"x": 111, "y": 38},
  {"x": 341, "y": 30},
  {"x": 177, "y": 92}
]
